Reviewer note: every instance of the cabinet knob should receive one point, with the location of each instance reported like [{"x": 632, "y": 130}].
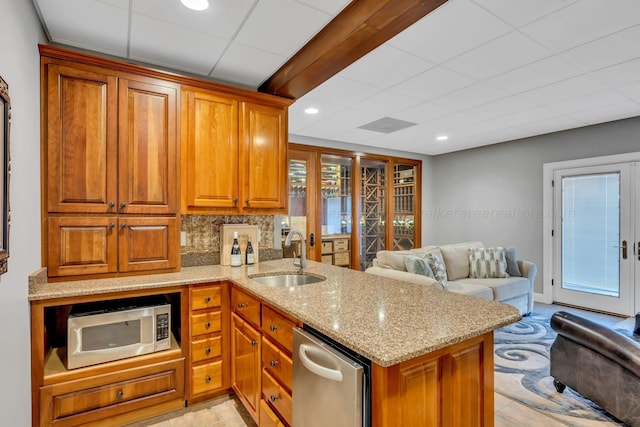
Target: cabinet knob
[
  {"x": 123, "y": 225},
  {"x": 119, "y": 394},
  {"x": 247, "y": 201},
  {"x": 112, "y": 225},
  {"x": 123, "y": 205},
  {"x": 273, "y": 363},
  {"x": 207, "y": 300},
  {"x": 112, "y": 204},
  {"x": 273, "y": 398},
  {"x": 207, "y": 350},
  {"x": 207, "y": 379},
  {"x": 241, "y": 305},
  {"x": 207, "y": 325},
  {"x": 254, "y": 343},
  {"x": 273, "y": 328},
  {"x": 235, "y": 201}
]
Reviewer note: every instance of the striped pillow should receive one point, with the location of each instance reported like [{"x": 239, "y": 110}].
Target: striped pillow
[{"x": 487, "y": 263}]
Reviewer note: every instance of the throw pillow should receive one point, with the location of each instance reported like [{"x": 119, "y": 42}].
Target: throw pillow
[
  {"x": 456, "y": 259},
  {"x": 438, "y": 267},
  {"x": 487, "y": 263},
  {"x": 512, "y": 262},
  {"x": 417, "y": 265}
]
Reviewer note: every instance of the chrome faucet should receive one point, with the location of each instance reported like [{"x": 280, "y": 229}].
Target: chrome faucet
[{"x": 303, "y": 249}]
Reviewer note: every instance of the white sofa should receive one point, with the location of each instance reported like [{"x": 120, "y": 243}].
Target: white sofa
[{"x": 514, "y": 290}]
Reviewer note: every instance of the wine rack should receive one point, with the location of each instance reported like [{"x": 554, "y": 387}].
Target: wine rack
[
  {"x": 404, "y": 198},
  {"x": 373, "y": 214}
]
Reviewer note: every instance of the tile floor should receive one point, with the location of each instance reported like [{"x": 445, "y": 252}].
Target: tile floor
[{"x": 227, "y": 411}]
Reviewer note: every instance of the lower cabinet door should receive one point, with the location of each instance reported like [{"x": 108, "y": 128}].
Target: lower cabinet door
[
  {"x": 245, "y": 364},
  {"x": 94, "y": 399}
]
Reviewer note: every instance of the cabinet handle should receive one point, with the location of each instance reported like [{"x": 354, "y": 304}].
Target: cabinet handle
[
  {"x": 273, "y": 363},
  {"x": 207, "y": 300},
  {"x": 235, "y": 201},
  {"x": 207, "y": 350},
  {"x": 123, "y": 225},
  {"x": 207, "y": 325},
  {"x": 273, "y": 328},
  {"x": 207, "y": 379},
  {"x": 273, "y": 398},
  {"x": 254, "y": 343},
  {"x": 241, "y": 305},
  {"x": 119, "y": 394}
]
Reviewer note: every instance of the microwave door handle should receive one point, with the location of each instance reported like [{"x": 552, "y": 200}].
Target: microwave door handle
[{"x": 321, "y": 371}]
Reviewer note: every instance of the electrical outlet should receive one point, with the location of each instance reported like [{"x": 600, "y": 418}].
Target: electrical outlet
[{"x": 183, "y": 238}]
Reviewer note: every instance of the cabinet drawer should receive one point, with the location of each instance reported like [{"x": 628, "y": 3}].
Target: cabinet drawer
[
  {"x": 278, "y": 327},
  {"x": 206, "y": 323},
  {"x": 268, "y": 418},
  {"x": 277, "y": 397},
  {"x": 341, "y": 258},
  {"x": 327, "y": 259},
  {"x": 206, "y": 377},
  {"x": 205, "y": 349},
  {"x": 277, "y": 363},
  {"x": 327, "y": 247},
  {"x": 79, "y": 402},
  {"x": 245, "y": 305},
  {"x": 341, "y": 245},
  {"x": 205, "y": 297}
]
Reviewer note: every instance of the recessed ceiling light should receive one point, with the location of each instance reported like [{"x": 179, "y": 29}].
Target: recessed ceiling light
[
  {"x": 196, "y": 4},
  {"x": 442, "y": 138},
  {"x": 312, "y": 110}
]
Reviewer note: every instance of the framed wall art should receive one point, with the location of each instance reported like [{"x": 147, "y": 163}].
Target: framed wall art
[{"x": 5, "y": 168}]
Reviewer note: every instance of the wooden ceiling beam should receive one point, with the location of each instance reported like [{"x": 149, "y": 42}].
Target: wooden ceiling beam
[{"x": 361, "y": 27}]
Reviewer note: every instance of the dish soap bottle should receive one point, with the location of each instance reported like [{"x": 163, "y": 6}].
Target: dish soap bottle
[
  {"x": 236, "y": 254},
  {"x": 250, "y": 256}
]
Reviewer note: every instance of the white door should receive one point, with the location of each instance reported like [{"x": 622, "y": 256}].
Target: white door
[{"x": 595, "y": 239}]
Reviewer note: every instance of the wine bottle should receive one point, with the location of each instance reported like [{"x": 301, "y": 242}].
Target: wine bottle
[
  {"x": 250, "y": 256},
  {"x": 236, "y": 254}
]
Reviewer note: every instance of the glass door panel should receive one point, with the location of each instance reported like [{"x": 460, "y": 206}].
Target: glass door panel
[
  {"x": 372, "y": 209},
  {"x": 404, "y": 206},
  {"x": 336, "y": 207}
]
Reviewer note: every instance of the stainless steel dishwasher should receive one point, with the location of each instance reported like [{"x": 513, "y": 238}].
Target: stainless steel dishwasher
[{"x": 331, "y": 383}]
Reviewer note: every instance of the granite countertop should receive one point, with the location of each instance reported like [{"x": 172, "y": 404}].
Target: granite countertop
[{"x": 385, "y": 320}]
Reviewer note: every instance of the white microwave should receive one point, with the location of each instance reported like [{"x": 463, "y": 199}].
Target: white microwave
[{"x": 116, "y": 330}]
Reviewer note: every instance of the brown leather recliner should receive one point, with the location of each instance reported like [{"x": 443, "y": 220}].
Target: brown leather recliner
[{"x": 599, "y": 363}]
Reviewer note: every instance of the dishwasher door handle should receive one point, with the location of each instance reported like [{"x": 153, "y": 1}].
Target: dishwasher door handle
[{"x": 322, "y": 371}]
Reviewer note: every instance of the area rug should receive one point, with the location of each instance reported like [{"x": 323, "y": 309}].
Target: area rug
[{"x": 522, "y": 374}]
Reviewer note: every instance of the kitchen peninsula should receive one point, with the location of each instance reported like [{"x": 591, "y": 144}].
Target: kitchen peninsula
[{"x": 431, "y": 350}]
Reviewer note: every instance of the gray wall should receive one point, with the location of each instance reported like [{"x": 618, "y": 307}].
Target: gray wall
[
  {"x": 20, "y": 33},
  {"x": 494, "y": 193}
]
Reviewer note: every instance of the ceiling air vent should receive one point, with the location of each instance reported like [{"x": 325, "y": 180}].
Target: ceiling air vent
[{"x": 387, "y": 125}]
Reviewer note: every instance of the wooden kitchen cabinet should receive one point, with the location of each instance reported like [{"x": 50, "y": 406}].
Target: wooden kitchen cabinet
[
  {"x": 245, "y": 364},
  {"x": 109, "y": 147},
  {"x": 234, "y": 154}
]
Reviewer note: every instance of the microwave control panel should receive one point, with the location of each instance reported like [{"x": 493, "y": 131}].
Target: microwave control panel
[{"x": 162, "y": 326}]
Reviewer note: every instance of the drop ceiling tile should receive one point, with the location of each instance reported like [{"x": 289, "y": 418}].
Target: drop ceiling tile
[
  {"x": 386, "y": 103},
  {"x": 607, "y": 51},
  {"x": 160, "y": 43},
  {"x": 470, "y": 96},
  {"x": 583, "y": 22},
  {"x": 622, "y": 110},
  {"x": 551, "y": 124},
  {"x": 336, "y": 124},
  {"x": 246, "y": 66},
  {"x": 540, "y": 73},
  {"x": 87, "y": 24},
  {"x": 344, "y": 92},
  {"x": 565, "y": 89},
  {"x": 587, "y": 102},
  {"x": 499, "y": 108},
  {"x": 521, "y": 12},
  {"x": 358, "y": 136},
  {"x": 631, "y": 90},
  {"x": 621, "y": 74},
  {"x": 432, "y": 84},
  {"x": 298, "y": 119},
  {"x": 332, "y": 7},
  {"x": 423, "y": 113},
  {"x": 527, "y": 116},
  {"x": 454, "y": 28},
  {"x": 122, "y": 4},
  {"x": 498, "y": 56},
  {"x": 385, "y": 67},
  {"x": 222, "y": 19},
  {"x": 270, "y": 28}
]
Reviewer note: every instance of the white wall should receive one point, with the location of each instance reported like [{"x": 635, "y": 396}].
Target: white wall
[
  {"x": 494, "y": 193},
  {"x": 20, "y": 33}
]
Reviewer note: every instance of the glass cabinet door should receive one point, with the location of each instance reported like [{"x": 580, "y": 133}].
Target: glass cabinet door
[
  {"x": 404, "y": 206},
  {"x": 336, "y": 208},
  {"x": 373, "y": 210}
]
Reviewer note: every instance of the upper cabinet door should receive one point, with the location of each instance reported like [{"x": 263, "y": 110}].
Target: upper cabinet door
[
  {"x": 209, "y": 150},
  {"x": 148, "y": 181},
  {"x": 81, "y": 137},
  {"x": 264, "y": 157}
]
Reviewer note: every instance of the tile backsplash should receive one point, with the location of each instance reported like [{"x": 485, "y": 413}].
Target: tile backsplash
[{"x": 202, "y": 243}]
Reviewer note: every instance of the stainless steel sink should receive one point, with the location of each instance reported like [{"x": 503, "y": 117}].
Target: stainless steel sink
[{"x": 284, "y": 280}]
